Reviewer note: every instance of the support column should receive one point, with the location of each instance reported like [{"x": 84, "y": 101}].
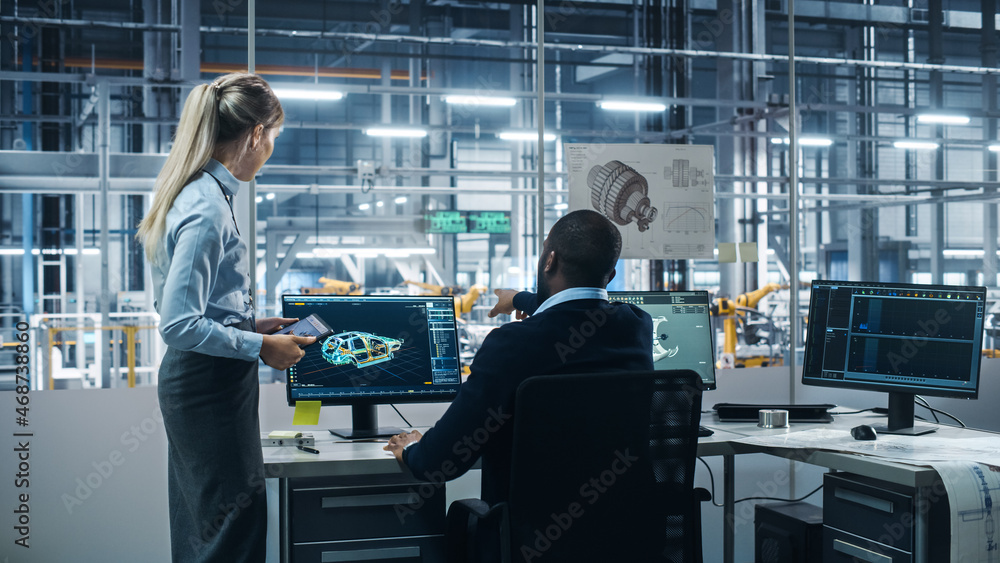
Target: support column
[
  {"x": 104, "y": 131},
  {"x": 936, "y": 48},
  {"x": 990, "y": 227}
]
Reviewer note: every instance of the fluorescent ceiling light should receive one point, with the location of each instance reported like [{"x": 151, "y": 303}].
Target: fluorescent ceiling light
[
  {"x": 269, "y": 196},
  {"x": 631, "y": 106},
  {"x": 963, "y": 253},
  {"x": 48, "y": 251},
  {"x": 561, "y": 206},
  {"x": 915, "y": 145},
  {"x": 379, "y": 204},
  {"x": 480, "y": 101},
  {"x": 400, "y": 199},
  {"x": 804, "y": 141},
  {"x": 364, "y": 206},
  {"x": 525, "y": 136},
  {"x": 11, "y": 252},
  {"x": 304, "y": 93},
  {"x": 995, "y": 148},
  {"x": 390, "y": 132},
  {"x": 943, "y": 119},
  {"x": 258, "y": 199}
]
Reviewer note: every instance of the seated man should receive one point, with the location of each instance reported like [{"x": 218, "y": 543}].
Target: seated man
[{"x": 574, "y": 329}]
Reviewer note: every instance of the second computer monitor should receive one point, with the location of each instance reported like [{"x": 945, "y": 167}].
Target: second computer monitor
[{"x": 682, "y": 329}]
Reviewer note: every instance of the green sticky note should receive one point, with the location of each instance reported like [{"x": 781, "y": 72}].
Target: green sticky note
[
  {"x": 727, "y": 252},
  {"x": 748, "y": 252},
  {"x": 306, "y": 413}
]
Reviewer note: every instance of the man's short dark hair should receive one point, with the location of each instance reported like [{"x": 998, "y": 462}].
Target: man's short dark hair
[{"x": 587, "y": 246}]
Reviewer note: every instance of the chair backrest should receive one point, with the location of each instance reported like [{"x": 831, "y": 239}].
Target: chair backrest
[{"x": 602, "y": 467}]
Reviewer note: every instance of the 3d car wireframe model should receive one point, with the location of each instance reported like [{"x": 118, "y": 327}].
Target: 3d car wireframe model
[{"x": 359, "y": 348}]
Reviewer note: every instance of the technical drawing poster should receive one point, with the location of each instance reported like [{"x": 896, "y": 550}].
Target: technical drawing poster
[{"x": 660, "y": 196}]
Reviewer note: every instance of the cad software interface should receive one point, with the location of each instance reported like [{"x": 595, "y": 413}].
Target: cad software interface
[
  {"x": 682, "y": 330},
  {"x": 383, "y": 347},
  {"x": 895, "y": 336}
]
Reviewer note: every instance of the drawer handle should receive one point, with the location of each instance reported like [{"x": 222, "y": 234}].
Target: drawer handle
[
  {"x": 384, "y": 554},
  {"x": 354, "y": 501},
  {"x": 860, "y": 552},
  {"x": 863, "y": 499}
]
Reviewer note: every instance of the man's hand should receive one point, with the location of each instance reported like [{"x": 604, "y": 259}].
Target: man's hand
[
  {"x": 282, "y": 351},
  {"x": 399, "y": 441},
  {"x": 271, "y": 324},
  {"x": 505, "y": 304}
]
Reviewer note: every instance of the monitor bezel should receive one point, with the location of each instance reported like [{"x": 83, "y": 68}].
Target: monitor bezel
[
  {"x": 388, "y": 399},
  {"x": 711, "y": 330},
  {"x": 956, "y": 393}
]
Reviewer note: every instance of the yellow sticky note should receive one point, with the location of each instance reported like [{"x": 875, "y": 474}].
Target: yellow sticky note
[
  {"x": 727, "y": 252},
  {"x": 748, "y": 252},
  {"x": 306, "y": 413}
]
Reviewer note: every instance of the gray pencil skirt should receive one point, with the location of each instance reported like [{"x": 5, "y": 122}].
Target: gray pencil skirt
[{"x": 215, "y": 469}]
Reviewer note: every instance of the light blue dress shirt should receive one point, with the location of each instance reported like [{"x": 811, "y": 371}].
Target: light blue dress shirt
[
  {"x": 201, "y": 282},
  {"x": 572, "y": 294}
]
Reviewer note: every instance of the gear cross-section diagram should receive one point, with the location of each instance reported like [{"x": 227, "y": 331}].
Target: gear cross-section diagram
[{"x": 621, "y": 194}]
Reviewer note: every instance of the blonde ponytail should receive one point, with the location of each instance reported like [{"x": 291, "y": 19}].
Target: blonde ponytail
[{"x": 224, "y": 111}]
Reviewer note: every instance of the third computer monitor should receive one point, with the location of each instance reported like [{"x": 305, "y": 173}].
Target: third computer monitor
[
  {"x": 682, "y": 329},
  {"x": 901, "y": 338}
]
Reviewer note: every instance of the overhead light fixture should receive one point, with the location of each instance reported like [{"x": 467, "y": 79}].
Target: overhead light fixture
[
  {"x": 962, "y": 253},
  {"x": 363, "y": 252},
  {"x": 942, "y": 119},
  {"x": 561, "y": 206},
  {"x": 631, "y": 106},
  {"x": 365, "y": 206},
  {"x": 480, "y": 101},
  {"x": 525, "y": 136},
  {"x": 400, "y": 199},
  {"x": 916, "y": 145},
  {"x": 269, "y": 196},
  {"x": 994, "y": 148},
  {"x": 258, "y": 199},
  {"x": 379, "y": 204},
  {"x": 804, "y": 141},
  {"x": 391, "y": 132},
  {"x": 302, "y": 92}
]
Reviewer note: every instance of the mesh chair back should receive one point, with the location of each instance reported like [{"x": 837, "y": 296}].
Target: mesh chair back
[{"x": 603, "y": 468}]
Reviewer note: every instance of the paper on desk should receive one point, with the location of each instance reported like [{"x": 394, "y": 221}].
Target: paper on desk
[
  {"x": 905, "y": 449},
  {"x": 972, "y": 486}
]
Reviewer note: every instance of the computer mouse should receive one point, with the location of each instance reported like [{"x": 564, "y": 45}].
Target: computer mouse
[{"x": 863, "y": 432}]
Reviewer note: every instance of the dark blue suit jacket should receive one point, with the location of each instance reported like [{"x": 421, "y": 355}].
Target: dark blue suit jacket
[{"x": 587, "y": 335}]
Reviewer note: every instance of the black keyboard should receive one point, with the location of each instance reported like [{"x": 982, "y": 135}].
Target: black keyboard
[{"x": 702, "y": 432}]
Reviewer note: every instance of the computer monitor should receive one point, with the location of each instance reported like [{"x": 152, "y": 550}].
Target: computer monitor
[
  {"x": 384, "y": 349},
  {"x": 901, "y": 338},
  {"x": 682, "y": 329}
]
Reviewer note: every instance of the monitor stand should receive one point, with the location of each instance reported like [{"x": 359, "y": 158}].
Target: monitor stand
[
  {"x": 365, "y": 425},
  {"x": 901, "y": 417}
]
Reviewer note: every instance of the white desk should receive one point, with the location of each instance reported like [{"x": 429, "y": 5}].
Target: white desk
[
  {"x": 920, "y": 478},
  {"x": 337, "y": 458}
]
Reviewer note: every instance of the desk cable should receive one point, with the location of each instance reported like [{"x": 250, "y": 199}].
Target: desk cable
[
  {"x": 711, "y": 478},
  {"x": 408, "y": 425},
  {"x": 923, "y": 402}
]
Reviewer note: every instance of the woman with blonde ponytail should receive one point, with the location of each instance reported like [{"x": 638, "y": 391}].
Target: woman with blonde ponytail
[{"x": 208, "y": 387}]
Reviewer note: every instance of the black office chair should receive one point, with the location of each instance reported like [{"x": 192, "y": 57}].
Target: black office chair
[{"x": 602, "y": 469}]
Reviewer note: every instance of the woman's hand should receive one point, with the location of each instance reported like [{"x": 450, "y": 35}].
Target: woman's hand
[
  {"x": 271, "y": 324},
  {"x": 282, "y": 351}
]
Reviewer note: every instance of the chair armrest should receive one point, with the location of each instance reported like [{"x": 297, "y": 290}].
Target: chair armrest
[
  {"x": 465, "y": 518},
  {"x": 702, "y": 495}
]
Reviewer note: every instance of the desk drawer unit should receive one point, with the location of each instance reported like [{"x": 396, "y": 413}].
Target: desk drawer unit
[
  {"x": 403, "y": 550},
  {"x": 375, "y": 518},
  {"x": 872, "y": 521}
]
